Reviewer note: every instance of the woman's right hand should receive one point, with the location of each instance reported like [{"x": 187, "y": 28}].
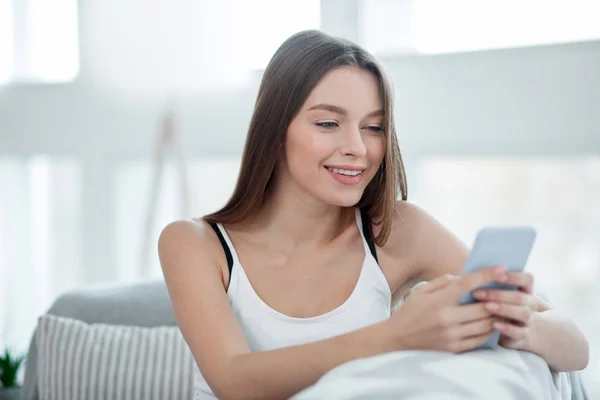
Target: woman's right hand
[{"x": 431, "y": 318}]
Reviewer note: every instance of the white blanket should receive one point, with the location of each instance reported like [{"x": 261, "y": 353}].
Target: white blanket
[{"x": 418, "y": 375}]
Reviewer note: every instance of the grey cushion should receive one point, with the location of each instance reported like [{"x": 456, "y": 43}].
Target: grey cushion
[
  {"x": 112, "y": 361},
  {"x": 142, "y": 304}
]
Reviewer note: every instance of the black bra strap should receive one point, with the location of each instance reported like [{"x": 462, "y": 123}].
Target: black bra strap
[
  {"x": 366, "y": 224},
  {"x": 225, "y": 247}
]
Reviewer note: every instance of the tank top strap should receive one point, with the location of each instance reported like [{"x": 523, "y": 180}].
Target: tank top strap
[
  {"x": 362, "y": 220},
  {"x": 227, "y": 239},
  {"x": 227, "y": 244}
]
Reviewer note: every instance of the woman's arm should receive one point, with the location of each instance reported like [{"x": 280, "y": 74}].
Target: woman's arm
[
  {"x": 556, "y": 338},
  {"x": 550, "y": 334},
  {"x": 190, "y": 261},
  {"x": 191, "y": 257}
]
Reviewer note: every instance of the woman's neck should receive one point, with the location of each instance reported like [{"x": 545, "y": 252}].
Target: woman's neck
[{"x": 298, "y": 218}]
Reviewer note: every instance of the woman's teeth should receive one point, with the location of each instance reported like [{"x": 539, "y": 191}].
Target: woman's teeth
[{"x": 344, "y": 171}]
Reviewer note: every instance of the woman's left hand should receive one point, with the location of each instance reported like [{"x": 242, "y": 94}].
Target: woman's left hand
[{"x": 515, "y": 309}]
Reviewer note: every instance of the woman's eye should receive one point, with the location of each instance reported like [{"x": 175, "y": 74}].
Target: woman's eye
[
  {"x": 375, "y": 128},
  {"x": 327, "y": 125}
]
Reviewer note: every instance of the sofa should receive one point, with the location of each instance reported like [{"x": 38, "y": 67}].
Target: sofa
[{"x": 143, "y": 305}]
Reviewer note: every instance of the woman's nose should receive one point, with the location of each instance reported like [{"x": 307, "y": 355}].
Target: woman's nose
[{"x": 353, "y": 144}]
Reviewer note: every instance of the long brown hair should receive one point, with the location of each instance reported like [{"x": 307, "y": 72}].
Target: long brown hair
[{"x": 295, "y": 69}]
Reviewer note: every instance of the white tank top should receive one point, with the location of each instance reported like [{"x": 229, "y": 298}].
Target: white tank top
[{"x": 268, "y": 329}]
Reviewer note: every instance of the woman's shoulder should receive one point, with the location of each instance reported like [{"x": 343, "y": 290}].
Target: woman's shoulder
[
  {"x": 421, "y": 240},
  {"x": 186, "y": 231},
  {"x": 408, "y": 222},
  {"x": 192, "y": 241}
]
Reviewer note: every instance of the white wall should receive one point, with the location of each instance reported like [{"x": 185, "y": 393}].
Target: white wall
[
  {"x": 546, "y": 99},
  {"x": 459, "y": 103}
]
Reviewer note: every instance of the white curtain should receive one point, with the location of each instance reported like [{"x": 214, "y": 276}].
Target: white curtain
[
  {"x": 42, "y": 229},
  {"x": 185, "y": 47},
  {"x": 441, "y": 26},
  {"x": 39, "y": 41},
  {"x": 39, "y": 240},
  {"x": 211, "y": 182},
  {"x": 6, "y": 43}
]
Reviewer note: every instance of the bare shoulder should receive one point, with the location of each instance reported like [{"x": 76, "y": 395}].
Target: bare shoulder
[
  {"x": 192, "y": 261},
  {"x": 183, "y": 231},
  {"x": 424, "y": 244},
  {"x": 409, "y": 223},
  {"x": 192, "y": 241}
]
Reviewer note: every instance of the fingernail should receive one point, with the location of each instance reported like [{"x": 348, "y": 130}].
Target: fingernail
[
  {"x": 480, "y": 294},
  {"x": 499, "y": 325},
  {"x": 492, "y": 306}
]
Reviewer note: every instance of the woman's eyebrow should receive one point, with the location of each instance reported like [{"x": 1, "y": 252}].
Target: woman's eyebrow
[
  {"x": 329, "y": 107},
  {"x": 342, "y": 111}
]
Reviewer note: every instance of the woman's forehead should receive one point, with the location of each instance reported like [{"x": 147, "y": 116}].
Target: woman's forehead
[{"x": 350, "y": 88}]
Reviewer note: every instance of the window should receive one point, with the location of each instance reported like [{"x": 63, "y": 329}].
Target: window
[
  {"x": 38, "y": 41},
  {"x": 6, "y": 40},
  {"x": 47, "y": 238},
  {"x": 387, "y": 26},
  {"x": 188, "y": 47},
  {"x": 467, "y": 25},
  {"x": 440, "y": 26},
  {"x": 39, "y": 240},
  {"x": 559, "y": 197},
  {"x": 267, "y": 23},
  {"x": 211, "y": 183}
]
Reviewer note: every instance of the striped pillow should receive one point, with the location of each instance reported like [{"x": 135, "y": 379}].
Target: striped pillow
[{"x": 77, "y": 360}]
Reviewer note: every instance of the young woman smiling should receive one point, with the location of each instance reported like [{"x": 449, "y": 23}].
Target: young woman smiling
[{"x": 297, "y": 273}]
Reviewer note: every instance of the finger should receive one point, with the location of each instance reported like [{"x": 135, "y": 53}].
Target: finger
[
  {"x": 522, "y": 280},
  {"x": 508, "y": 342},
  {"x": 435, "y": 284},
  {"x": 511, "y": 330},
  {"x": 468, "y": 313},
  {"x": 477, "y": 328},
  {"x": 470, "y": 343},
  {"x": 503, "y": 296},
  {"x": 510, "y": 311},
  {"x": 475, "y": 279}
]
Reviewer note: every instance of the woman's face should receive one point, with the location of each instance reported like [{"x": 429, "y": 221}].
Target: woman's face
[{"x": 336, "y": 142}]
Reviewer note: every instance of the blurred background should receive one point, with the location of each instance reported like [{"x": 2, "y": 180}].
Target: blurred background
[{"x": 118, "y": 116}]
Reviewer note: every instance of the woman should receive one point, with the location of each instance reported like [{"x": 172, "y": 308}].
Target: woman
[{"x": 297, "y": 273}]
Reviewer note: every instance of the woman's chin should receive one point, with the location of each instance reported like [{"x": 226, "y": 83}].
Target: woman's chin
[{"x": 343, "y": 199}]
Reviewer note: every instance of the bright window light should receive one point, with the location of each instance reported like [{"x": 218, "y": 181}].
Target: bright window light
[
  {"x": 38, "y": 41},
  {"x": 40, "y": 240},
  {"x": 6, "y": 41},
  {"x": 52, "y": 40},
  {"x": 211, "y": 183},
  {"x": 443, "y": 26},
  {"x": 267, "y": 23}
]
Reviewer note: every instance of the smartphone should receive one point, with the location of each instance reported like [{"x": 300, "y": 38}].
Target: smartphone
[{"x": 507, "y": 245}]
